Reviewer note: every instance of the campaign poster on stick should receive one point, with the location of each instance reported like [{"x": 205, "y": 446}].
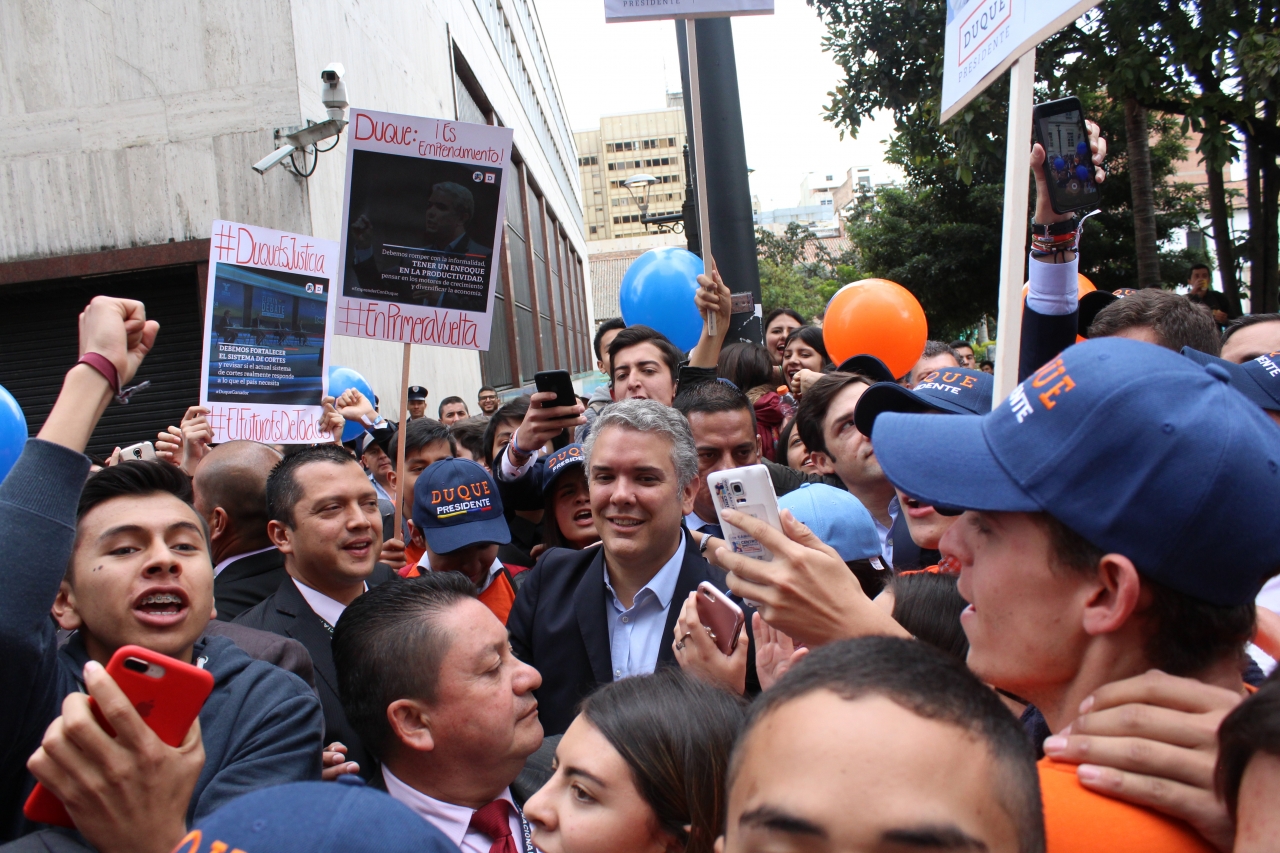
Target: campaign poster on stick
[
  {"x": 617, "y": 11},
  {"x": 267, "y": 323},
  {"x": 984, "y": 37},
  {"x": 422, "y": 225}
]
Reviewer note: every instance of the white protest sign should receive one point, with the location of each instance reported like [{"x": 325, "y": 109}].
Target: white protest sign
[
  {"x": 984, "y": 37},
  {"x": 616, "y": 11},
  {"x": 422, "y": 220},
  {"x": 267, "y": 322}
]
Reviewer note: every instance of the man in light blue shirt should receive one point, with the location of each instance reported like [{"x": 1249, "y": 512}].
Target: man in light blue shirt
[{"x": 636, "y": 633}]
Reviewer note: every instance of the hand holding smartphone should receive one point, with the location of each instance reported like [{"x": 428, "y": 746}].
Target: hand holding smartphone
[
  {"x": 721, "y": 615},
  {"x": 748, "y": 490},
  {"x": 558, "y": 381},
  {"x": 1069, "y": 171},
  {"x": 167, "y": 693}
]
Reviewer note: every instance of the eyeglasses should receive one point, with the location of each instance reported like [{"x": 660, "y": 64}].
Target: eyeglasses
[{"x": 488, "y": 399}]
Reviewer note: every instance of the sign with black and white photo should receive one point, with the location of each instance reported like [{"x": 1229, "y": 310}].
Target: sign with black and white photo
[
  {"x": 422, "y": 221},
  {"x": 267, "y": 321}
]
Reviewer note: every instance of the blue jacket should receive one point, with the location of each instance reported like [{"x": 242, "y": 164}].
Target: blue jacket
[{"x": 261, "y": 726}]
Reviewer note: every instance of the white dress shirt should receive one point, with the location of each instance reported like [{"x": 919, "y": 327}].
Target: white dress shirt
[
  {"x": 324, "y": 606},
  {"x": 453, "y": 821},
  {"x": 637, "y": 633},
  {"x": 217, "y": 570}
]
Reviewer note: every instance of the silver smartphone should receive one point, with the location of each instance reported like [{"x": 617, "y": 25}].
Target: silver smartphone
[
  {"x": 143, "y": 451},
  {"x": 748, "y": 490}
]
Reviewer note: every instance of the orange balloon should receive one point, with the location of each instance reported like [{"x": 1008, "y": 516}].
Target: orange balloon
[{"x": 876, "y": 317}]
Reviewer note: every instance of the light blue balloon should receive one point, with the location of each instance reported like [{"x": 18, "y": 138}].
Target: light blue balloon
[
  {"x": 342, "y": 379},
  {"x": 658, "y": 291},
  {"x": 13, "y": 431}
]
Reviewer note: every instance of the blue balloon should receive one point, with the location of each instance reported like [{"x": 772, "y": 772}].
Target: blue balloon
[
  {"x": 658, "y": 291},
  {"x": 1082, "y": 149},
  {"x": 13, "y": 431},
  {"x": 1082, "y": 172},
  {"x": 1059, "y": 164},
  {"x": 341, "y": 379}
]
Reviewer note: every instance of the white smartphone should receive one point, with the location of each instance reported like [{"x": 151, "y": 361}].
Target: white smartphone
[
  {"x": 748, "y": 490},
  {"x": 143, "y": 451}
]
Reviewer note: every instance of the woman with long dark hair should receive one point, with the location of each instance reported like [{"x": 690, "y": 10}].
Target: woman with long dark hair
[
  {"x": 641, "y": 768},
  {"x": 748, "y": 367}
]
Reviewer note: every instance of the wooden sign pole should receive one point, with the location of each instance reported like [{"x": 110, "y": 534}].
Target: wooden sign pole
[
  {"x": 404, "y": 411},
  {"x": 699, "y": 159},
  {"x": 1013, "y": 251}
]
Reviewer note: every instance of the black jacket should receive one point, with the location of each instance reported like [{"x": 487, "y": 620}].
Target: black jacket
[
  {"x": 558, "y": 626},
  {"x": 246, "y": 582},
  {"x": 287, "y": 613}
]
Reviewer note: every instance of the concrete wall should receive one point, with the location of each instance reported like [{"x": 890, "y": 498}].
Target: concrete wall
[{"x": 135, "y": 122}]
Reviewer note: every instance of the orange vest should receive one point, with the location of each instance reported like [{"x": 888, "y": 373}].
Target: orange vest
[
  {"x": 1077, "y": 820},
  {"x": 498, "y": 596}
]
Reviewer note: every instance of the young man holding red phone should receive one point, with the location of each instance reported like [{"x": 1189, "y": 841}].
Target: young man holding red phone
[{"x": 127, "y": 562}]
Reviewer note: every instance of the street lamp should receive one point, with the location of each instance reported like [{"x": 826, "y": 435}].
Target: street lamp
[{"x": 672, "y": 222}]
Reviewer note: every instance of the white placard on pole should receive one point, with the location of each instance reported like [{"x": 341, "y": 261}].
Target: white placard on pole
[
  {"x": 423, "y": 213},
  {"x": 619, "y": 11},
  {"x": 268, "y": 319},
  {"x": 1013, "y": 240},
  {"x": 985, "y": 37}
]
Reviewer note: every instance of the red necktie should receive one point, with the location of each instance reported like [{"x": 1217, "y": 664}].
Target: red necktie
[{"x": 491, "y": 820}]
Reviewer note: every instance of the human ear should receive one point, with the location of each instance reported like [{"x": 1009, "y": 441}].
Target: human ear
[
  {"x": 822, "y": 463},
  {"x": 416, "y": 536},
  {"x": 279, "y": 535},
  {"x": 64, "y": 608},
  {"x": 217, "y": 523},
  {"x": 1114, "y": 597},
  {"x": 411, "y": 724},
  {"x": 688, "y": 494}
]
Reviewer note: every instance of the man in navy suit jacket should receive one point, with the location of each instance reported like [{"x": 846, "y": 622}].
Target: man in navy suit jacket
[{"x": 585, "y": 618}]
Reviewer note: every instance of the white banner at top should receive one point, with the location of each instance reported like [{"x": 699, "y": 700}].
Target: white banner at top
[
  {"x": 616, "y": 11},
  {"x": 984, "y": 37}
]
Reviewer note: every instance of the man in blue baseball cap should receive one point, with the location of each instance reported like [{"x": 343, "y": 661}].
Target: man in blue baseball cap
[
  {"x": 1258, "y": 378},
  {"x": 458, "y": 522},
  {"x": 1109, "y": 529},
  {"x": 917, "y": 526}
]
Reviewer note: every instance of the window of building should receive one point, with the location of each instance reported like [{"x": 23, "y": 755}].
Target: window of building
[
  {"x": 593, "y": 230},
  {"x": 671, "y": 141},
  {"x": 589, "y": 161}
]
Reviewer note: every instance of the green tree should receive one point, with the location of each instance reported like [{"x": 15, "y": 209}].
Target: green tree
[{"x": 798, "y": 271}]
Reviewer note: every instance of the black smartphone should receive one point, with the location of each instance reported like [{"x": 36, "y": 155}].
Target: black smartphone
[
  {"x": 558, "y": 381},
  {"x": 1068, "y": 162}
]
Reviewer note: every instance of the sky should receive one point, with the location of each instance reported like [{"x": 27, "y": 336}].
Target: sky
[{"x": 783, "y": 80}]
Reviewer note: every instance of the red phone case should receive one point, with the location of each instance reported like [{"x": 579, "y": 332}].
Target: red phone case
[
  {"x": 168, "y": 704},
  {"x": 719, "y": 613}
]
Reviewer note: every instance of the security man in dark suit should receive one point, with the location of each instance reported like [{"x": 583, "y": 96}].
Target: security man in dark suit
[
  {"x": 585, "y": 618},
  {"x": 324, "y": 519},
  {"x": 230, "y": 488}
]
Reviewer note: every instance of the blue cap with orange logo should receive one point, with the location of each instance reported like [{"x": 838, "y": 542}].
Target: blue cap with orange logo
[
  {"x": 456, "y": 504},
  {"x": 1258, "y": 379},
  {"x": 557, "y": 463},
  {"x": 1139, "y": 450},
  {"x": 954, "y": 390}
]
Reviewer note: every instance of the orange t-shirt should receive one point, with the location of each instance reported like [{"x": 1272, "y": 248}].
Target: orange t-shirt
[{"x": 1077, "y": 820}]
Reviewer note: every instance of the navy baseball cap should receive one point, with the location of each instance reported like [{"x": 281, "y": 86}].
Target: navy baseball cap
[
  {"x": 557, "y": 463},
  {"x": 315, "y": 817},
  {"x": 1134, "y": 447},
  {"x": 868, "y": 366},
  {"x": 456, "y": 504},
  {"x": 417, "y": 392},
  {"x": 1093, "y": 302},
  {"x": 954, "y": 390},
  {"x": 1258, "y": 379}
]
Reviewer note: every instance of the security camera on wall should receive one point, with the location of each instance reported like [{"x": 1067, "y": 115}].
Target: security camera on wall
[
  {"x": 334, "y": 92},
  {"x": 291, "y": 141}
]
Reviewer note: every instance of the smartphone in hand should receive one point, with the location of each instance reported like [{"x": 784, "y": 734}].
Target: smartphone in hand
[
  {"x": 719, "y": 613},
  {"x": 143, "y": 451},
  {"x": 558, "y": 381},
  {"x": 748, "y": 490},
  {"x": 1068, "y": 162},
  {"x": 167, "y": 693}
]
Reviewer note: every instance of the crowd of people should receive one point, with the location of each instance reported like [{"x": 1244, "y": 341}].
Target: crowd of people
[{"x": 1038, "y": 623}]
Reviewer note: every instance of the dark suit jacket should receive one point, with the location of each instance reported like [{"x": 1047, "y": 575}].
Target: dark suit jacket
[
  {"x": 289, "y": 655},
  {"x": 558, "y": 626},
  {"x": 287, "y": 613},
  {"x": 246, "y": 582}
]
